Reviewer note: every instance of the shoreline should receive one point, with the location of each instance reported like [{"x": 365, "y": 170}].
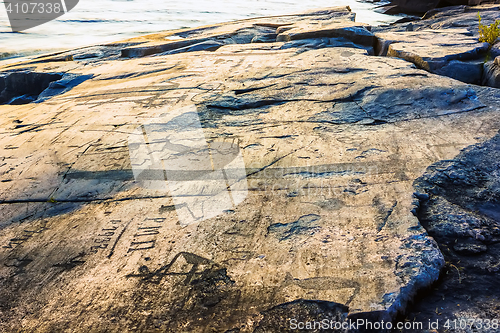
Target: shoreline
[{"x": 180, "y": 25}]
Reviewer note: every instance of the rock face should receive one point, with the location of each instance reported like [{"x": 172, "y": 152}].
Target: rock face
[
  {"x": 492, "y": 73},
  {"x": 223, "y": 190},
  {"x": 445, "y": 42},
  {"x": 461, "y": 211},
  {"x": 24, "y": 86}
]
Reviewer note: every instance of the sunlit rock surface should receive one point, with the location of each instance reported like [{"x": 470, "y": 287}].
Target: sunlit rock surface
[{"x": 220, "y": 190}]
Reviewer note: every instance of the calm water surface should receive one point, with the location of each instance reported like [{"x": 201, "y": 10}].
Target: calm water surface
[{"x": 98, "y": 21}]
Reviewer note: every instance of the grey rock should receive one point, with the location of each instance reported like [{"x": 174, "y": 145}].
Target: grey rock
[
  {"x": 464, "y": 195},
  {"x": 61, "y": 86},
  {"x": 22, "y": 87},
  {"x": 444, "y": 42},
  {"x": 432, "y": 49},
  {"x": 355, "y": 32},
  {"x": 491, "y": 75},
  {"x": 463, "y": 216},
  {"x": 449, "y": 18},
  {"x": 238, "y": 32},
  {"x": 421, "y": 196},
  {"x": 316, "y": 43},
  {"x": 207, "y": 45},
  {"x": 302, "y": 311},
  {"x": 495, "y": 50},
  {"x": 465, "y": 71},
  {"x": 268, "y": 38}
]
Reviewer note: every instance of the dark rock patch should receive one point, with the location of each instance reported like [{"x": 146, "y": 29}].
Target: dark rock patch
[
  {"x": 305, "y": 225},
  {"x": 285, "y": 317},
  {"x": 421, "y": 7},
  {"x": 462, "y": 213},
  {"x": 23, "y": 87},
  {"x": 208, "y": 45}
]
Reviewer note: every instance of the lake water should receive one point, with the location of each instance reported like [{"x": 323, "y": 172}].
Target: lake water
[{"x": 98, "y": 21}]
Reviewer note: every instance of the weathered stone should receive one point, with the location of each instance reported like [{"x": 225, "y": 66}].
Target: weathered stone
[
  {"x": 65, "y": 84},
  {"x": 491, "y": 75},
  {"x": 317, "y": 43},
  {"x": 268, "y": 38},
  {"x": 320, "y": 225},
  {"x": 495, "y": 50},
  {"x": 262, "y": 29},
  {"x": 2, "y": 82},
  {"x": 465, "y": 71},
  {"x": 159, "y": 47},
  {"x": 463, "y": 215},
  {"x": 450, "y": 18},
  {"x": 355, "y": 32},
  {"x": 302, "y": 311},
  {"x": 207, "y": 45},
  {"x": 445, "y": 42},
  {"x": 53, "y": 58},
  {"x": 388, "y": 9},
  {"x": 442, "y": 52}
]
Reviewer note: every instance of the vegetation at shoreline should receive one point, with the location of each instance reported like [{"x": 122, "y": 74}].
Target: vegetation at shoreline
[{"x": 488, "y": 34}]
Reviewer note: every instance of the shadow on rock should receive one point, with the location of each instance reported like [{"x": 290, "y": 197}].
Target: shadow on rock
[{"x": 460, "y": 208}]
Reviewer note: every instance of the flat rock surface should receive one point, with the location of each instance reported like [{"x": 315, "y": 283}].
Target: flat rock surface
[
  {"x": 215, "y": 191},
  {"x": 451, "y": 52},
  {"x": 445, "y": 42},
  {"x": 431, "y": 49}
]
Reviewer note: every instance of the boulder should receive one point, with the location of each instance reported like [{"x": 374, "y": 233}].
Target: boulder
[
  {"x": 454, "y": 17},
  {"x": 462, "y": 213},
  {"x": 465, "y": 71},
  {"x": 21, "y": 87},
  {"x": 355, "y": 32},
  {"x": 445, "y": 52},
  {"x": 491, "y": 75},
  {"x": 495, "y": 50}
]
